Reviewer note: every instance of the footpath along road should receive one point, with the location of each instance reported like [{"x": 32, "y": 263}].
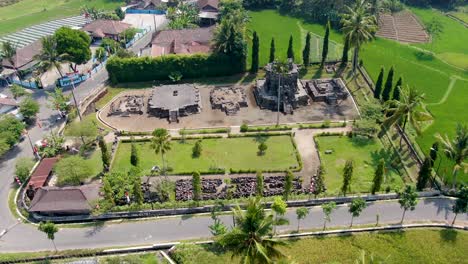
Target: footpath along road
[{"x": 25, "y": 237}]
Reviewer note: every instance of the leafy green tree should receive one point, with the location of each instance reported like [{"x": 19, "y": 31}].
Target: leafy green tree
[
  {"x": 58, "y": 100},
  {"x": 29, "y": 108},
  {"x": 378, "y": 176},
  {"x": 197, "y": 186},
  {"x": 108, "y": 191},
  {"x": 4, "y": 146},
  {"x": 259, "y": 187},
  {"x": 110, "y": 45},
  {"x": 288, "y": 185},
  {"x": 251, "y": 239},
  {"x": 306, "y": 51},
  {"x": 325, "y": 44},
  {"x": 347, "y": 176},
  {"x": 100, "y": 54},
  {"x": 435, "y": 28},
  {"x": 290, "y": 53},
  {"x": 378, "y": 85},
  {"x": 355, "y": 208},
  {"x": 54, "y": 145},
  {"x": 424, "y": 174},
  {"x": 344, "y": 56},
  {"x": 10, "y": 129},
  {"x": 197, "y": 149},
  {"x": 408, "y": 199},
  {"x": 461, "y": 204},
  {"x": 17, "y": 91},
  {"x": 137, "y": 192},
  {"x": 161, "y": 143},
  {"x": 23, "y": 168},
  {"x": 185, "y": 15},
  {"x": 73, "y": 45},
  {"x": 279, "y": 208},
  {"x": 272, "y": 50},
  {"x": 359, "y": 26},
  {"x": 396, "y": 90},
  {"x": 72, "y": 170},
  {"x": 49, "y": 229},
  {"x": 105, "y": 155},
  {"x": 49, "y": 57},
  {"x": 456, "y": 150},
  {"x": 121, "y": 14},
  {"x": 87, "y": 130},
  {"x": 8, "y": 52},
  {"x": 255, "y": 50},
  {"x": 134, "y": 159},
  {"x": 408, "y": 109},
  {"x": 387, "y": 91},
  {"x": 327, "y": 209},
  {"x": 262, "y": 147},
  {"x": 301, "y": 214}
]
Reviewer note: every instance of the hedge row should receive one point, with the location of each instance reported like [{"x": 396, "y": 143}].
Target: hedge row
[
  {"x": 148, "y": 139},
  {"x": 261, "y": 134},
  {"x": 266, "y": 128},
  {"x": 205, "y": 131},
  {"x": 144, "y": 69}
]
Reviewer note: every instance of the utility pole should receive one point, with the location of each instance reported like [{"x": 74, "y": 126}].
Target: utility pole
[
  {"x": 74, "y": 98},
  {"x": 279, "y": 99}
]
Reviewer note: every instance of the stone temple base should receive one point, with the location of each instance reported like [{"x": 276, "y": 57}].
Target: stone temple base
[{"x": 266, "y": 100}]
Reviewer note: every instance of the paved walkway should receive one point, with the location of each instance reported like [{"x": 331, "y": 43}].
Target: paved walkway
[{"x": 25, "y": 237}]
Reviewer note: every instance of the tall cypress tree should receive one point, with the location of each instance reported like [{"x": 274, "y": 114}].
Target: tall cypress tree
[
  {"x": 344, "y": 56},
  {"x": 197, "y": 187},
  {"x": 137, "y": 192},
  {"x": 397, "y": 89},
  {"x": 105, "y": 157},
  {"x": 306, "y": 51},
  {"x": 260, "y": 184},
  {"x": 325, "y": 44},
  {"x": 424, "y": 174},
  {"x": 347, "y": 175},
  {"x": 290, "y": 48},
  {"x": 387, "y": 91},
  {"x": 255, "y": 47},
  {"x": 272, "y": 50},
  {"x": 378, "y": 84},
  {"x": 288, "y": 185},
  {"x": 378, "y": 176}
]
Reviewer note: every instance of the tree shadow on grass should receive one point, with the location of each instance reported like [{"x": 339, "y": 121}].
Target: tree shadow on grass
[
  {"x": 448, "y": 235},
  {"x": 359, "y": 141},
  {"x": 318, "y": 73},
  {"x": 261, "y": 138},
  {"x": 388, "y": 155},
  {"x": 423, "y": 56}
]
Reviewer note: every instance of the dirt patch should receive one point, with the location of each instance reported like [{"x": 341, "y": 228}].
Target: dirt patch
[{"x": 403, "y": 27}]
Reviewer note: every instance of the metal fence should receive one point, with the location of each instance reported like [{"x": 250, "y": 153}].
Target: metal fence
[{"x": 152, "y": 12}]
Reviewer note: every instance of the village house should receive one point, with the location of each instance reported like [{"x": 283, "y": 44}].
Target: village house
[
  {"x": 23, "y": 61},
  {"x": 208, "y": 11},
  {"x": 99, "y": 29},
  {"x": 185, "y": 41},
  {"x": 146, "y": 4}
]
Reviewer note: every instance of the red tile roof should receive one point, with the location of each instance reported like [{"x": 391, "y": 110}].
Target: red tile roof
[
  {"x": 41, "y": 174},
  {"x": 185, "y": 41},
  {"x": 8, "y": 101},
  {"x": 208, "y": 3},
  {"x": 108, "y": 27},
  {"x": 24, "y": 55}
]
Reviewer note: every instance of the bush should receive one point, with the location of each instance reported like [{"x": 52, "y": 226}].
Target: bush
[
  {"x": 160, "y": 68},
  {"x": 197, "y": 149},
  {"x": 23, "y": 168},
  {"x": 244, "y": 127}
]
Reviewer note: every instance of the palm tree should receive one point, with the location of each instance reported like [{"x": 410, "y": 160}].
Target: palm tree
[
  {"x": 456, "y": 150},
  {"x": 408, "y": 109},
  {"x": 8, "y": 52},
  {"x": 161, "y": 143},
  {"x": 251, "y": 237},
  {"x": 49, "y": 57},
  {"x": 359, "y": 25}
]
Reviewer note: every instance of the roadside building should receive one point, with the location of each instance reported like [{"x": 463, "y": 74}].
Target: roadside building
[
  {"x": 99, "y": 29},
  {"x": 184, "y": 41},
  {"x": 23, "y": 61},
  {"x": 209, "y": 10}
]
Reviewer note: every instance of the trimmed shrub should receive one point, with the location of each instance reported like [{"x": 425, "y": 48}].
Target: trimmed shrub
[{"x": 143, "y": 69}]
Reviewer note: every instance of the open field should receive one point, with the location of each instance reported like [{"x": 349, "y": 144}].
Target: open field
[
  {"x": 235, "y": 153},
  {"x": 30, "y": 12},
  {"x": 269, "y": 23},
  {"x": 441, "y": 78},
  {"x": 365, "y": 155},
  {"x": 414, "y": 246}
]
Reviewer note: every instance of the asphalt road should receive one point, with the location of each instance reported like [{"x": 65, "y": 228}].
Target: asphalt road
[{"x": 25, "y": 237}]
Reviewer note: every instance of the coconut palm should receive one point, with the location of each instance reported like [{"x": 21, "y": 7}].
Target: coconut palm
[
  {"x": 49, "y": 57},
  {"x": 229, "y": 36},
  {"x": 456, "y": 150},
  {"x": 8, "y": 52},
  {"x": 407, "y": 110},
  {"x": 359, "y": 26},
  {"x": 251, "y": 238},
  {"x": 161, "y": 143}
]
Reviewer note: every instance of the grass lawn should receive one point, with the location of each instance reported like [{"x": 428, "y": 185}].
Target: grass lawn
[
  {"x": 365, "y": 154},
  {"x": 269, "y": 24},
  {"x": 30, "y": 12},
  {"x": 413, "y": 246},
  {"x": 235, "y": 153}
]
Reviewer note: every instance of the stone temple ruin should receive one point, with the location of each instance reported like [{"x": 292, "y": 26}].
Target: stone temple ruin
[
  {"x": 326, "y": 90},
  {"x": 228, "y": 99},
  {"x": 174, "y": 101},
  {"x": 291, "y": 90},
  {"x": 127, "y": 105}
]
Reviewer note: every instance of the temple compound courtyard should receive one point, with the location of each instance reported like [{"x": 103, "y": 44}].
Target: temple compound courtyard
[{"x": 178, "y": 106}]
